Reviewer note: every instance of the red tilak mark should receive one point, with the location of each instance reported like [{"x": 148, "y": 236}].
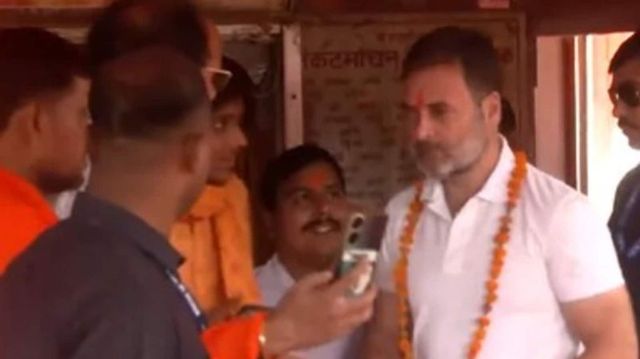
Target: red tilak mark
[{"x": 419, "y": 100}]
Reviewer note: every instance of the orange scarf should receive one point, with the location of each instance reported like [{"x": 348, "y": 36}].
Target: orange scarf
[
  {"x": 235, "y": 339},
  {"x": 24, "y": 214},
  {"x": 215, "y": 240}
]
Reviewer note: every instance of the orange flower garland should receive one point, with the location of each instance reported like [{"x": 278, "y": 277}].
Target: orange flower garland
[
  {"x": 514, "y": 188},
  {"x": 401, "y": 275}
]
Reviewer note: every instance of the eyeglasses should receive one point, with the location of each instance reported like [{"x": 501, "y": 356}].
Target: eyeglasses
[
  {"x": 628, "y": 92},
  {"x": 218, "y": 78}
]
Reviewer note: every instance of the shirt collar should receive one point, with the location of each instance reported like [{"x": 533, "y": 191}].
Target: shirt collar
[
  {"x": 494, "y": 189},
  {"x": 98, "y": 212},
  {"x": 280, "y": 272}
]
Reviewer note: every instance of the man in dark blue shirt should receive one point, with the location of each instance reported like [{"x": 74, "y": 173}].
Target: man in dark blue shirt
[
  {"x": 625, "y": 219},
  {"x": 103, "y": 284}
]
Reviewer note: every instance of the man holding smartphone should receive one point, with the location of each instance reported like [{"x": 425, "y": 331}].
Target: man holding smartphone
[{"x": 304, "y": 194}]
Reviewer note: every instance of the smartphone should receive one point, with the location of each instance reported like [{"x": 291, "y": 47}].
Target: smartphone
[
  {"x": 362, "y": 239},
  {"x": 364, "y": 232}
]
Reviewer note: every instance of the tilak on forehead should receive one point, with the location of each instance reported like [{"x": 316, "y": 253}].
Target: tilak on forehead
[
  {"x": 317, "y": 178},
  {"x": 419, "y": 101}
]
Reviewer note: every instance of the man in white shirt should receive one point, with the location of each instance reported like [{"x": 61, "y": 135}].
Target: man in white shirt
[
  {"x": 558, "y": 281},
  {"x": 303, "y": 193}
]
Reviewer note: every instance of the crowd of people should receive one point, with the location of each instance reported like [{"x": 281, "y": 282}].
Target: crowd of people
[{"x": 126, "y": 231}]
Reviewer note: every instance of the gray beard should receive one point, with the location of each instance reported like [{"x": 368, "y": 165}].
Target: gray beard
[{"x": 450, "y": 168}]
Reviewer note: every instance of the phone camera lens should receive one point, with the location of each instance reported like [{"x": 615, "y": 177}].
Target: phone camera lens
[{"x": 353, "y": 237}]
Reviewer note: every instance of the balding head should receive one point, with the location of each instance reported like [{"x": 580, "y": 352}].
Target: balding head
[
  {"x": 146, "y": 93},
  {"x": 151, "y": 128},
  {"x": 129, "y": 25}
]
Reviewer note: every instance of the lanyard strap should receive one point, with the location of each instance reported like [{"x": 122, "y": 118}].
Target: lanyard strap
[{"x": 198, "y": 315}]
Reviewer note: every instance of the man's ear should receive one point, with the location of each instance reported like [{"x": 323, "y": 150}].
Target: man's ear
[
  {"x": 27, "y": 123},
  {"x": 492, "y": 109}
]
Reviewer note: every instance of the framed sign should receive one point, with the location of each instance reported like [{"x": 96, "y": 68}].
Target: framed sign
[{"x": 351, "y": 90}]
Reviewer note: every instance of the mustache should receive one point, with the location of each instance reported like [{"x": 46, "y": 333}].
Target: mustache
[
  {"x": 426, "y": 147},
  {"x": 320, "y": 221}
]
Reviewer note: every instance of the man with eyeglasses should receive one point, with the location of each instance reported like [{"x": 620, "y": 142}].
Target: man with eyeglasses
[
  {"x": 215, "y": 236},
  {"x": 625, "y": 219}
]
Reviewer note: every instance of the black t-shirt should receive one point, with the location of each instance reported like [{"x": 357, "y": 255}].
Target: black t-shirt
[
  {"x": 625, "y": 230},
  {"x": 95, "y": 286}
]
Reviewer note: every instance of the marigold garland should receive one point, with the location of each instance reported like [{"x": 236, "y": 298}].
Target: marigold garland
[{"x": 514, "y": 188}]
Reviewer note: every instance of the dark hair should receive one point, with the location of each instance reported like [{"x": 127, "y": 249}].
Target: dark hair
[
  {"x": 508, "y": 121},
  {"x": 34, "y": 62},
  {"x": 288, "y": 164},
  {"x": 629, "y": 50},
  {"x": 472, "y": 50},
  {"x": 145, "y": 93},
  {"x": 241, "y": 87},
  {"x": 129, "y": 25}
]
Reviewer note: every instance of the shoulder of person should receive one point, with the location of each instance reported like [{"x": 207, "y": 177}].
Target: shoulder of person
[
  {"x": 544, "y": 191},
  {"x": 630, "y": 179},
  {"x": 70, "y": 251}
]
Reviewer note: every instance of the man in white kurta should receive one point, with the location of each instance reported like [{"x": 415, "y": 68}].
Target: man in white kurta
[
  {"x": 559, "y": 251},
  {"x": 560, "y": 285}
]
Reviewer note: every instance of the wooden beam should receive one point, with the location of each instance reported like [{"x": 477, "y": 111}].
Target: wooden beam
[{"x": 553, "y": 17}]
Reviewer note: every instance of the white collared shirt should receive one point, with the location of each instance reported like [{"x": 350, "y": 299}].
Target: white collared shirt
[
  {"x": 275, "y": 281},
  {"x": 559, "y": 251}
]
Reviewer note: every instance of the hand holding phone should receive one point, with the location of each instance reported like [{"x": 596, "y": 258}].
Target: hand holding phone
[
  {"x": 362, "y": 238},
  {"x": 365, "y": 232}
]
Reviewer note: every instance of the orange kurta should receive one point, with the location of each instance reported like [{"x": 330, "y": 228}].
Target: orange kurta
[
  {"x": 24, "y": 214},
  {"x": 215, "y": 240}
]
